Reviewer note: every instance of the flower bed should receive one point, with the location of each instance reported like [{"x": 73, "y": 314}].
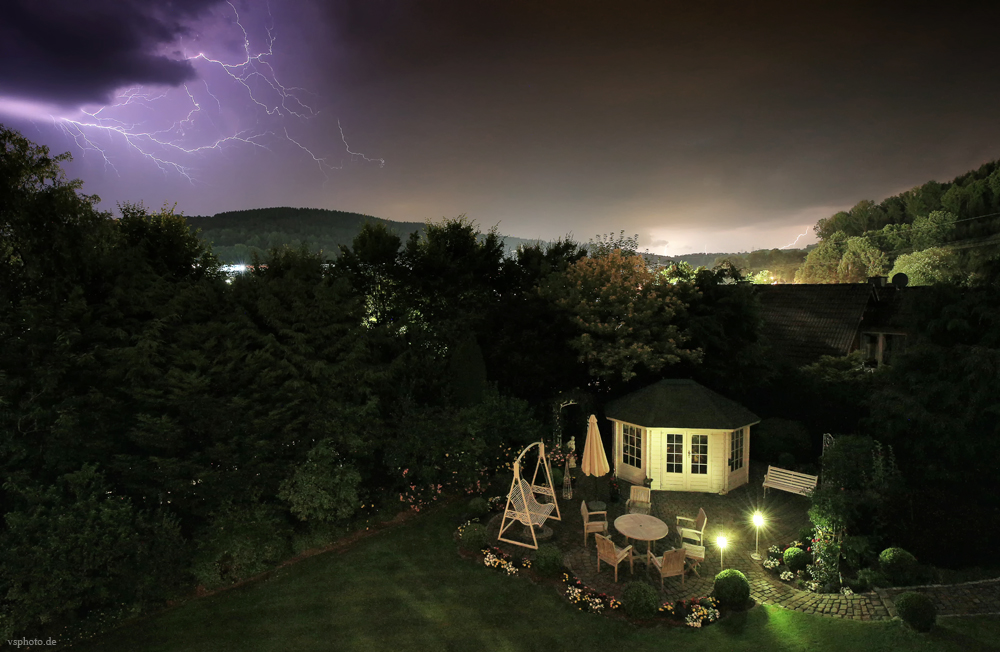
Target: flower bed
[
  {"x": 586, "y": 599},
  {"x": 696, "y": 612}
]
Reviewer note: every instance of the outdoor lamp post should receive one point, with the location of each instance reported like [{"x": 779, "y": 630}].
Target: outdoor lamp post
[
  {"x": 758, "y": 520},
  {"x": 721, "y": 542}
]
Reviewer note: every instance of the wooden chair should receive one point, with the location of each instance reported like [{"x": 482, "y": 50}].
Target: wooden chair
[
  {"x": 609, "y": 553},
  {"x": 592, "y": 526},
  {"x": 696, "y": 530},
  {"x": 671, "y": 564},
  {"x": 639, "y": 501},
  {"x": 694, "y": 555}
]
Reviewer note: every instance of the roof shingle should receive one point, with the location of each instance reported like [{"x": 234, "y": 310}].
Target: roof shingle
[
  {"x": 680, "y": 404},
  {"x": 804, "y": 322}
]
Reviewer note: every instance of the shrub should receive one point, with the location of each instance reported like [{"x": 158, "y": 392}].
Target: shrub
[
  {"x": 872, "y": 577},
  {"x": 640, "y": 600},
  {"x": 796, "y": 559},
  {"x": 807, "y": 533},
  {"x": 478, "y": 506},
  {"x": 241, "y": 541},
  {"x": 557, "y": 478},
  {"x": 474, "y": 537},
  {"x": 898, "y": 565},
  {"x": 917, "y": 610},
  {"x": 548, "y": 560},
  {"x": 732, "y": 588}
]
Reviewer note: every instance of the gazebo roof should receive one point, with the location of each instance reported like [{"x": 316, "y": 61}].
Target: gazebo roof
[{"x": 680, "y": 404}]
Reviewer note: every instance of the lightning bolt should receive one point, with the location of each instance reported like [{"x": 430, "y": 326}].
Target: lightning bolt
[
  {"x": 795, "y": 240},
  {"x": 179, "y": 147}
]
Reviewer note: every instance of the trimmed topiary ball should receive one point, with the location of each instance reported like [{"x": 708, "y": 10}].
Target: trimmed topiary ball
[
  {"x": 474, "y": 537},
  {"x": 898, "y": 565},
  {"x": 478, "y": 506},
  {"x": 640, "y": 600},
  {"x": 796, "y": 559},
  {"x": 548, "y": 560},
  {"x": 732, "y": 588},
  {"x": 917, "y": 610}
]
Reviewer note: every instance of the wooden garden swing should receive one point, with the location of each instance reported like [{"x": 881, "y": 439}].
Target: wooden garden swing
[{"x": 521, "y": 504}]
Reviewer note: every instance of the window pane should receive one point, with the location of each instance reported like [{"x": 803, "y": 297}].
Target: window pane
[
  {"x": 675, "y": 453},
  {"x": 699, "y": 454},
  {"x": 632, "y": 446},
  {"x": 736, "y": 450}
]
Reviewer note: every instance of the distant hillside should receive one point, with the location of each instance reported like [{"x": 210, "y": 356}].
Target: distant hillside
[
  {"x": 237, "y": 235},
  {"x": 934, "y": 233}
]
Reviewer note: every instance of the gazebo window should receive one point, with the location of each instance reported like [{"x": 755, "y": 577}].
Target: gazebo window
[
  {"x": 675, "y": 453},
  {"x": 736, "y": 450},
  {"x": 632, "y": 448},
  {"x": 699, "y": 454}
]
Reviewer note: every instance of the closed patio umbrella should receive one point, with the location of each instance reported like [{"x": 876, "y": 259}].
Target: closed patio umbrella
[{"x": 594, "y": 462}]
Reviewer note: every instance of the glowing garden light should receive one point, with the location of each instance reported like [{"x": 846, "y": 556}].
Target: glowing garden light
[
  {"x": 721, "y": 541},
  {"x": 758, "y": 521}
]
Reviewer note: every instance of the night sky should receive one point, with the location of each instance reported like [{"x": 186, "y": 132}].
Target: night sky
[{"x": 722, "y": 127}]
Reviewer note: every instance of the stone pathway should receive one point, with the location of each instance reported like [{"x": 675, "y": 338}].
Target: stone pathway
[
  {"x": 729, "y": 515},
  {"x": 970, "y": 599}
]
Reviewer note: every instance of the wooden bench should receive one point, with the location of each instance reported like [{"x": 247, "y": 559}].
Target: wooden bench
[{"x": 791, "y": 481}]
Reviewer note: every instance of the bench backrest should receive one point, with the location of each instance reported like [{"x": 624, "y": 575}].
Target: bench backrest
[{"x": 793, "y": 478}]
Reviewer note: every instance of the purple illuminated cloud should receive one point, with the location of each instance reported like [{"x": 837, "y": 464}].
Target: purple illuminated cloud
[{"x": 70, "y": 53}]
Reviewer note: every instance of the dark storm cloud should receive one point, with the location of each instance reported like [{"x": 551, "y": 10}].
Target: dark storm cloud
[{"x": 73, "y": 52}]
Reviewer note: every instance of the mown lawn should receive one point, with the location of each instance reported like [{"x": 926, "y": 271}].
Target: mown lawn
[{"x": 407, "y": 589}]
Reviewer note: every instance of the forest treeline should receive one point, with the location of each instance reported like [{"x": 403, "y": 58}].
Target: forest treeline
[
  {"x": 164, "y": 425},
  {"x": 934, "y": 233},
  {"x": 238, "y": 236}
]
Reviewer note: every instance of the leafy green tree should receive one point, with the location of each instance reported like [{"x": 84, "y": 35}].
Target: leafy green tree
[
  {"x": 526, "y": 343},
  {"x": 52, "y": 233},
  {"x": 625, "y": 315},
  {"x": 929, "y": 266},
  {"x": 608, "y": 242},
  {"x": 452, "y": 280},
  {"x": 860, "y": 261},
  {"x": 78, "y": 550},
  {"x": 822, "y": 263},
  {"x": 933, "y": 230},
  {"x": 372, "y": 264}
]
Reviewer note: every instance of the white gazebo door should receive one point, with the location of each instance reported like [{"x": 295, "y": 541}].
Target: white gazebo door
[{"x": 686, "y": 462}]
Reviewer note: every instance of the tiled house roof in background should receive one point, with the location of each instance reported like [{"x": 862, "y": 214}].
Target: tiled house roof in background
[
  {"x": 680, "y": 404},
  {"x": 804, "y": 322}
]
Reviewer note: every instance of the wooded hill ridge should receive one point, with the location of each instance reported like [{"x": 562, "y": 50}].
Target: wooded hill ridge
[
  {"x": 934, "y": 233},
  {"x": 236, "y": 235}
]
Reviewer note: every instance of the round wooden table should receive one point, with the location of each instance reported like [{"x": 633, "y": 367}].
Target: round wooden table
[{"x": 641, "y": 527}]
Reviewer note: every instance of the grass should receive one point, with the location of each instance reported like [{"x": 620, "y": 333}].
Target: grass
[{"x": 407, "y": 589}]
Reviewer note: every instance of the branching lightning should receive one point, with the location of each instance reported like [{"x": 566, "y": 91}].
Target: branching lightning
[
  {"x": 795, "y": 240},
  {"x": 207, "y": 124}
]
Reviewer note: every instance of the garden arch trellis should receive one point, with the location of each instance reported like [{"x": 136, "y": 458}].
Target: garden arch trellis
[{"x": 522, "y": 507}]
